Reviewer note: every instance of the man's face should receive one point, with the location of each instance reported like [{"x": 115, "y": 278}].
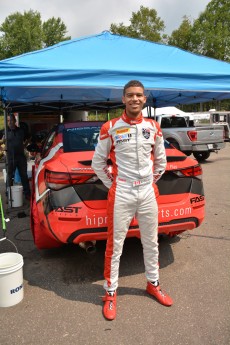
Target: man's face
[
  {"x": 11, "y": 122},
  {"x": 134, "y": 100}
]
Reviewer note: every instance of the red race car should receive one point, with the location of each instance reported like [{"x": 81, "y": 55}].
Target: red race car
[{"x": 69, "y": 201}]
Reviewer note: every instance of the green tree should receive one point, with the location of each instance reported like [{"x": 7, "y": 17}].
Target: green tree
[
  {"x": 22, "y": 33},
  {"x": 144, "y": 24},
  {"x": 54, "y": 31},
  {"x": 182, "y": 36},
  {"x": 210, "y": 34}
]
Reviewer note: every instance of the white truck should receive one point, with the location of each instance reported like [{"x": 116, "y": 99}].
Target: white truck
[{"x": 199, "y": 141}]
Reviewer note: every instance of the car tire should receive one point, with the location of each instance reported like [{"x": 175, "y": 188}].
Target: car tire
[{"x": 201, "y": 156}]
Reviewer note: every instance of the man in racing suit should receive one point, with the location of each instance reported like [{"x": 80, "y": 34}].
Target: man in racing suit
[{"x": 136, "y": 148}]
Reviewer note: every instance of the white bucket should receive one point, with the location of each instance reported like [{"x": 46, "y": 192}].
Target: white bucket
[
  {"x": 4, "y": 175},
  {"x": 17, "y": 196},
  {"x": 11, "y": 279}
]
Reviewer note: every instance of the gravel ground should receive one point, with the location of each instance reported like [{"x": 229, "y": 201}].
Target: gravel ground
[{"x": 63, "y": 287}]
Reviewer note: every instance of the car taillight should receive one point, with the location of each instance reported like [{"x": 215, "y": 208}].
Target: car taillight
[
  {"x": 192, "y": 135},
  {"x": 195, "y": 171},
  {"x": 57, "y": 180}
]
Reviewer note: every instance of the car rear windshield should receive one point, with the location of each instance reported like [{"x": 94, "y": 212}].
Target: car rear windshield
[
  {"x": 80, "y": 138},
  {"x": 173, "y": 121}
]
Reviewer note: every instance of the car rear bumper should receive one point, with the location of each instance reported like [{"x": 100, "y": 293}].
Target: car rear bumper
[
  {"x": 208, "y": 147},
  {"x": 84, "y": 235},
  {"x": 93, "y": 225},
  {"x": 79, "y": 221}
]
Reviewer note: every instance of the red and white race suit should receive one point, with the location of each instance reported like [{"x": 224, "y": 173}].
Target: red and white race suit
[{"x": 136, "y": 149}]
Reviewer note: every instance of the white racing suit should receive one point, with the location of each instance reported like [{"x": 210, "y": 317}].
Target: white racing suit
[{"x": 136, "y": 149}]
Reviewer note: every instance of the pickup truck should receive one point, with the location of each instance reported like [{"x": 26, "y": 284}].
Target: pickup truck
[{"x": 199, "y": 141}]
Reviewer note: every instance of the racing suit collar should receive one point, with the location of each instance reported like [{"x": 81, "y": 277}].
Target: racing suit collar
[{"x": 132, "y": 121}]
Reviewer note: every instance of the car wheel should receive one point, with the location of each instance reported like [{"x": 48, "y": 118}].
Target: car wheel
[{"x": 201, "y": 156}]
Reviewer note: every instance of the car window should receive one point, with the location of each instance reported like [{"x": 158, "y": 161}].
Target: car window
[
  {"x": 165, "y": 122},
  {"x": 48, "y": 143},
  {"x": 173, "y": 121},
  {"x": 80, "y": 138},
  {"x": 178, "y": 122}
]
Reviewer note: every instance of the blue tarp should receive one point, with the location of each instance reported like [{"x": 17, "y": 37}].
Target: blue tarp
[{"x": 94, "y": 69}]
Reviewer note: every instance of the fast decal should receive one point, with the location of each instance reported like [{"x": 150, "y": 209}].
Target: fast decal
[
  {"x": 196, "y": 199},
  {"x": 68, "y": 209}
]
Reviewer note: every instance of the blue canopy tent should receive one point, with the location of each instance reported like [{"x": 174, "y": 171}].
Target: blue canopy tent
[{"x": 90, "y": 72}]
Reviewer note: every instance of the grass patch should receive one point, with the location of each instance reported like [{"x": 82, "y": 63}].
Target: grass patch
[{"x": 1, "y": 122}]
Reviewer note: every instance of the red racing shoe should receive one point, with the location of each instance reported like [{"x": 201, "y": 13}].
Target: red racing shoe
[
  {"x": 109, "y": 308},
  {"x": 161, "y": 296}
]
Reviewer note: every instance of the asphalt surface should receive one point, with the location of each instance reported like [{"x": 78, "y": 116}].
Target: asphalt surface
[{"x": 63, "y": 287}]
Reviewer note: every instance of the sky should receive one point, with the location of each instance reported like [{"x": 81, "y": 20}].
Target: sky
[{"x": 90, "y": 17}]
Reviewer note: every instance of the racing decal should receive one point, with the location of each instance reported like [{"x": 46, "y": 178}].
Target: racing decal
[
  {"x": 81, "y": 169},
  {"x": 96, "y": 221},
  {"x": 104, "y": 136},
  {"x": 123, "y": 130},
  {"x": 172, "y": 167},
  {"x": 141, "y": 182},
  {"x": 108, "y": 173},
  {"x": 68, "y": 209},
  {"x": 177, "y": 212},
  {"x": 104, "y": 131},
  {"x": 122, "y": 138},
  {"x": 146, "y": 133},
  {"x": 196, "y": 199},
  {"x": 121, "y": 179},
  {"x": 156, "y": 176}
]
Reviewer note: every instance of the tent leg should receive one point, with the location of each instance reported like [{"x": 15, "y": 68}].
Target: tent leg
[
  {"x": 155, "y": 113},
  {"x": 8, "y": 190}
]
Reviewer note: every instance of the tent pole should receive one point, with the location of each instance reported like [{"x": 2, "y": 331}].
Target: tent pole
[{"x": 8, "y": 190}]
